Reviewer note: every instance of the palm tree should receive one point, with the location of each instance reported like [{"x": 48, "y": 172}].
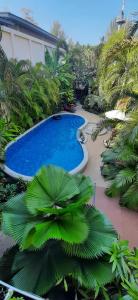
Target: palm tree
[{"x": 118, "y": 68}]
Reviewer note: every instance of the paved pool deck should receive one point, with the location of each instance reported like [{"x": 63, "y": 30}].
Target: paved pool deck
[{"x": 125, "y": 221}]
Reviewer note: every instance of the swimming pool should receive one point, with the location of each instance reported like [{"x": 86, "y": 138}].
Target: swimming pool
[{"x": 52, "y": 141}]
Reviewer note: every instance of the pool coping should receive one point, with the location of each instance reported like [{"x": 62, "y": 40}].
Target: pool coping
[{"x": 78, "y": 169}]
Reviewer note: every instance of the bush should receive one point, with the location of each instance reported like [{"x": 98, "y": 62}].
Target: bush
[
  {"x": 121, "y": 164},
  {"x": 94, "y": 103}
]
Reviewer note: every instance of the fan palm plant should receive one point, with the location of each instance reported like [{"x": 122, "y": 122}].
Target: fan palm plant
[{"x": 71, "y": 238}]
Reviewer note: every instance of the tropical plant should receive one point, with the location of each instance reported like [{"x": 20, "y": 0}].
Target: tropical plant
[
  {"x": 59, "y": 67},
  {"x": 9, "y": 187},
  {"x": 117, "y": 70},
  {"x": 124, "y": 261},
  {"x": 125, "y": 264},
  {"x": 27, "y": 94},
  {"x": 121, "y": 164},
  {"x": 94, "y": 103},
  {"x": 8, "y": 131},
  {"x": 83, "y": 60},
  {"x": 71, "y": 237}
]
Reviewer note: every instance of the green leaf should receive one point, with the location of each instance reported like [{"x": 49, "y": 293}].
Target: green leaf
[
  {"x": 130, "y": 197},
  {"x": 71, "y": 228},
  {"x": 89, "y": 273},
  {"x": 100, "y": 238},
  {"x": 124, "y": 177},
  {"x": 39, "y": 271},
  {"x": 51, "y": 186},
  {"x": 62, "y": 220}
]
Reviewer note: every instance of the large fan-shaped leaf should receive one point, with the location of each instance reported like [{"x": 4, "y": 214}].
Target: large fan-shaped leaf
[
  {"x": 6, "y": 262},
  {"x": 53, "y": 187},
  {"x": 92, "y": 272},
  {"x": 38, "y": 271},
  {"x": 71, "y": 228},
  {"x": 49, "y": 187},
  {"x": 86, "y": 190},
  {"x": 34, "y": 230},
  {"x": 16, "y": 218},
  {"x": 100, "y": 238}
]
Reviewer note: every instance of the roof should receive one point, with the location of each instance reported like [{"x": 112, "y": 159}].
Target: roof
[{"x": 10, "y": 20}]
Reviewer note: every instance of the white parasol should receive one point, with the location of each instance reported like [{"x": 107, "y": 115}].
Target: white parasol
[{"x": 116, "y": 114}]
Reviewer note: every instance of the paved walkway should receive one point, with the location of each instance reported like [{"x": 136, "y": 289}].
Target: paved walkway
[{"x": 124, "y": 220}]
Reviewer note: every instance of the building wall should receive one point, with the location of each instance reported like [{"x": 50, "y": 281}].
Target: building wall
[{"x": 23, "y": 46}]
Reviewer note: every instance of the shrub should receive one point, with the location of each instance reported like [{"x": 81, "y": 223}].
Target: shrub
[
  {"x": 94, "y": 103},
  {"x": 121, "y": 164}
]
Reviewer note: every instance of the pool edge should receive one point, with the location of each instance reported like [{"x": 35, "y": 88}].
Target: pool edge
[{"x": 78, "y": 169}]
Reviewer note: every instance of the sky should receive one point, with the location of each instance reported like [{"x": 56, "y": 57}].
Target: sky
[{"x": 85, "y": 21}]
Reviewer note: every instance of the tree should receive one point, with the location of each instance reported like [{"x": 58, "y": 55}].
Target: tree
[
  {"x": 28, "y": 15},
  {"x": 58, "y": 31},
  {"x": 118, "y": 66}
]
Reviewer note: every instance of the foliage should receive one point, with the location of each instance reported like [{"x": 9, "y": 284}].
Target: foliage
[
  {"x": 94, "y": 103},
  {"x": 125, "y": 263},
  {"x": 10, "y": 187},
  {"x": 83, "y": 60},
  {"x": 16, "y": 298},
  {"x": 117, "y": 69},
  {"x": 121, "y": 164},
  {"x": 71, "y": 238},
  {"x": 8, "y": 131},
  {"x": 27, "y": 94},
  {"x": 58, "y": 31},
  {"x": 58, "y": 67}
]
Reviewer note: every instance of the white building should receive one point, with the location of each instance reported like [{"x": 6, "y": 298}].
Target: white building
[{"x": 22, "y": 39}]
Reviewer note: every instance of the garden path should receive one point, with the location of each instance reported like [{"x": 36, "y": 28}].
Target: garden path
[{"x": 124, "y": 220}]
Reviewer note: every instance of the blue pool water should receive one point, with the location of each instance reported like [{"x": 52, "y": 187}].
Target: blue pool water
[{"x": 51, "y": 142}]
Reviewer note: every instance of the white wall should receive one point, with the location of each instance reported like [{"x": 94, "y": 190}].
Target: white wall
[{"x": 23, "y": 46}]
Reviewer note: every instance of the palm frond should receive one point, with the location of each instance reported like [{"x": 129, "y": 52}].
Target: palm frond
[
  {"x": 100, "y": 237},
  {"x": 92, "y": 272}
]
